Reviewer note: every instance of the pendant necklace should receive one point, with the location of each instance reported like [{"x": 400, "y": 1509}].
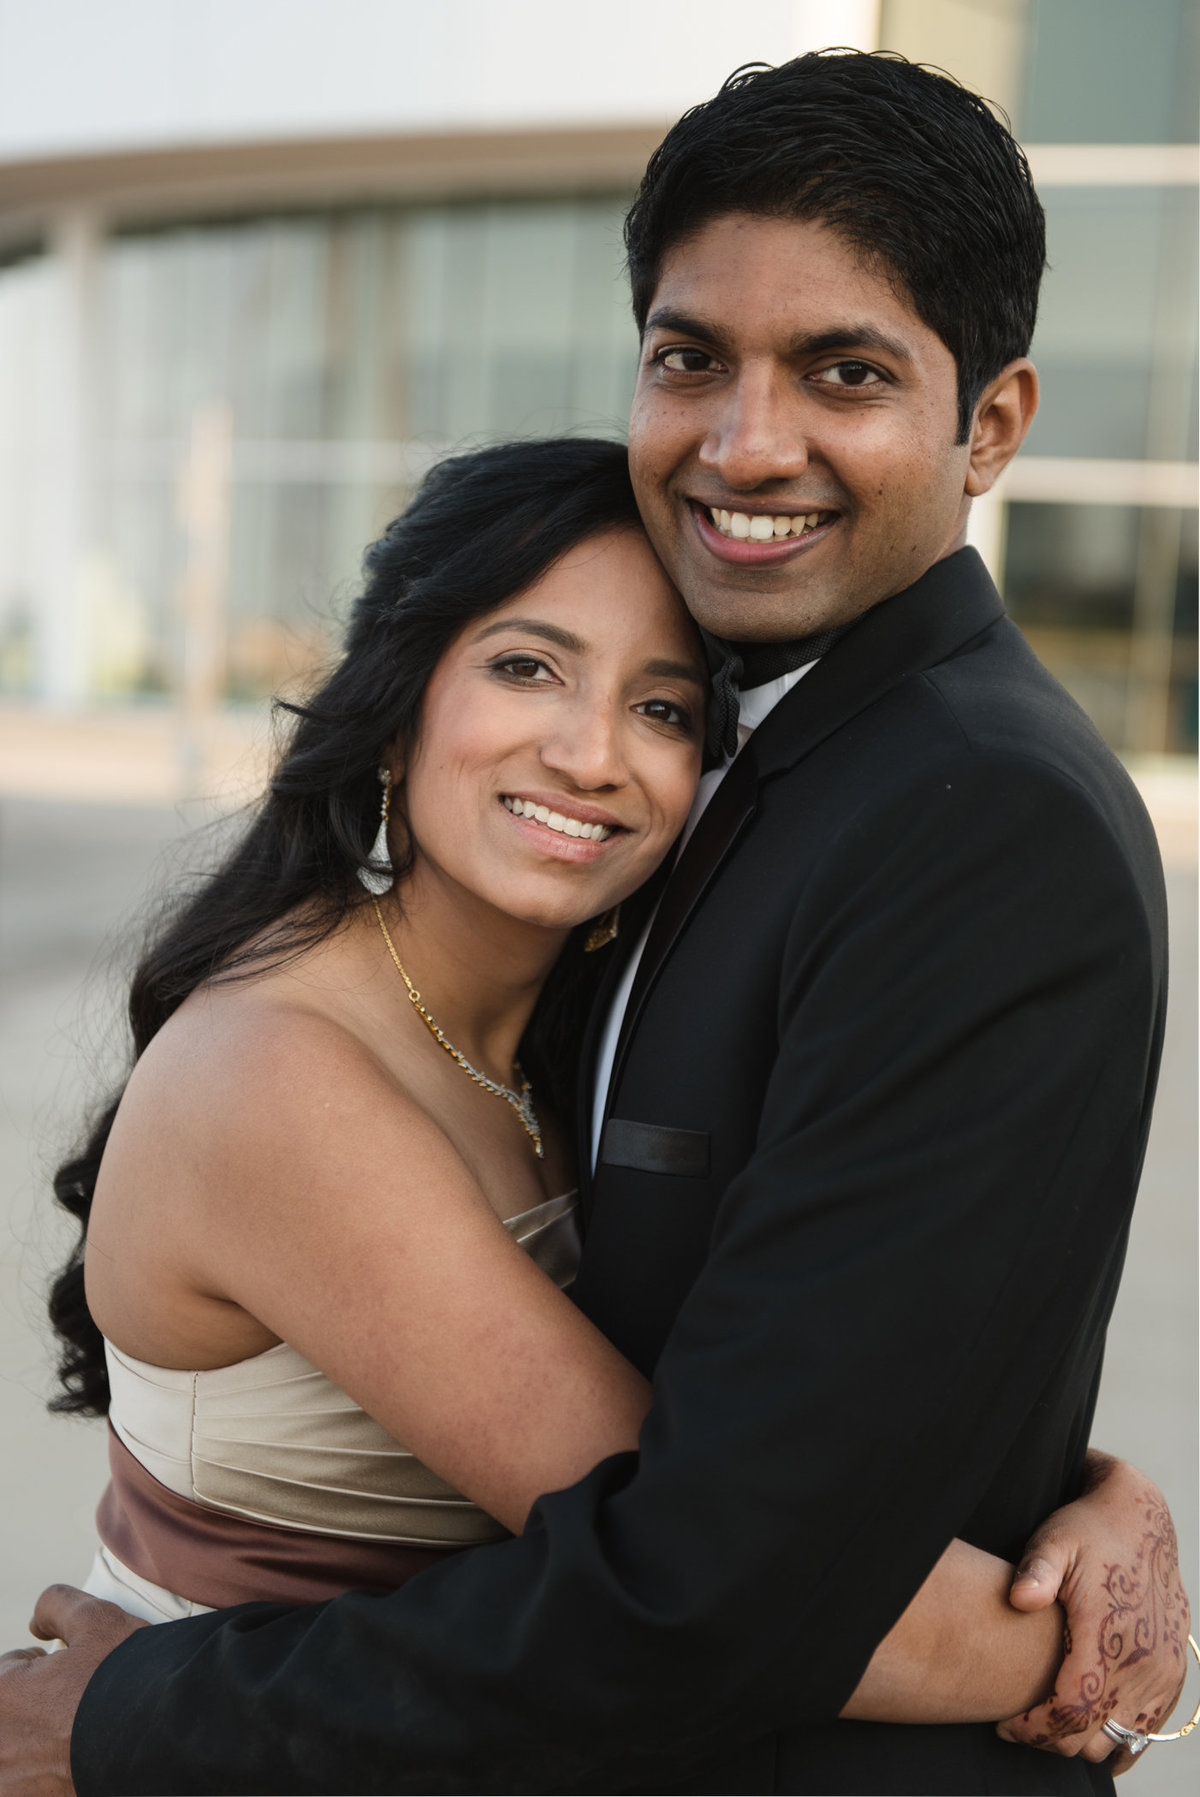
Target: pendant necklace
[{"x": 521, "y": 1102}]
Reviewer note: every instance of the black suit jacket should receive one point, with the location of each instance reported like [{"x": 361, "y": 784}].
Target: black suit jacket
[{"x": 875, "y": 1128}]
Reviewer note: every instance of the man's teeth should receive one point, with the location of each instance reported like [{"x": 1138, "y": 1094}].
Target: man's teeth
[
  {"x": 760, "y": 527},
  {"x": 557, "y": 820}
]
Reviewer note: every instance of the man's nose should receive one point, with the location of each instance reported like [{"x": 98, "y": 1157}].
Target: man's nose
[
  {"x": 757, "y": 434},
  {"x": 586, "y": 745}
]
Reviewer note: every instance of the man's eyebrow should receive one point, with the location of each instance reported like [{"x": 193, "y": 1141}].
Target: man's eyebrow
[
  {"x": 551, "y": 633},
  {"x": 850, "y": 337},
  {"x": 669, "y": 318},
  {"x": 840, "y": 337}
]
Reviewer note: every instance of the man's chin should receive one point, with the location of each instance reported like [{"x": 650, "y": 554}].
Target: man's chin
[
  {"x": 763, "y": 617},
  {"x": 763, "y": 605}
]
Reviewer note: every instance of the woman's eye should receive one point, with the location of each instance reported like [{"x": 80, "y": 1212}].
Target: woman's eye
[
  {"x": 521, "y": 667},
  {"x": 849, "y": 374},
  {"x": 684, "y": 361},
  {"x": 666, "y": 711}
]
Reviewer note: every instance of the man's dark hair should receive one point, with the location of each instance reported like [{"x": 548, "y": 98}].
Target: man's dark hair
[{"x": 900, "y": 160}]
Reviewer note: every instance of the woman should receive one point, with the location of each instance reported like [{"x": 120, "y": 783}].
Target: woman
[{"x": 344, "y": 1144}]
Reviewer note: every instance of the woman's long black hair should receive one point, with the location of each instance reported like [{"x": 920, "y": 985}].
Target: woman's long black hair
[{"x": 482, "y": 528}]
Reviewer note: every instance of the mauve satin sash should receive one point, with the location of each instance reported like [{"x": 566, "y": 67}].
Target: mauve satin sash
[{"x": 214, "y": 1559}]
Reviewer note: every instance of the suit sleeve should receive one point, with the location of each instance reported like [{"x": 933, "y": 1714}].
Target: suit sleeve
[{"x": 949, "y": 1149}]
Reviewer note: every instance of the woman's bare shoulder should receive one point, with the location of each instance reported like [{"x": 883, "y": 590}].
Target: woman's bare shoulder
[
  {"x": 255, "y": 1067},
  {"x": 257, "y": 1114}
]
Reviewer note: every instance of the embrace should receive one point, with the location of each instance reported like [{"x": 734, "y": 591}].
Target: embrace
[{"x": 599, "y": 1273}]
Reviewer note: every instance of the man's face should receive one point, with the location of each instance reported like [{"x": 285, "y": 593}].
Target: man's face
[{"x": 781, "y": 377}]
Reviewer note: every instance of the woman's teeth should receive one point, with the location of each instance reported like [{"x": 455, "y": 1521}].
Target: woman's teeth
[
  {"x": 557, "y": 820},
  {"x": 761, "y": 527}
]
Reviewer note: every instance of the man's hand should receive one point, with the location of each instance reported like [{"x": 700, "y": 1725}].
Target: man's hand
[
  {"x": 1111, "y": 1560},
  {"x": 40, "y": 1691}
]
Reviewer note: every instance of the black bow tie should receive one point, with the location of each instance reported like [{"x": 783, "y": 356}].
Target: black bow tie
[{"x": 736, "y": 667}]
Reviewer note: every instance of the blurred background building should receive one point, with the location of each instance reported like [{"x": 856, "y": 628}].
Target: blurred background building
[{"x": 262, "y": 261}]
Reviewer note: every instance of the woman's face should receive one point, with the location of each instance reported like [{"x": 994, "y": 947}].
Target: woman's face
[{"x": 560, "y": 739}]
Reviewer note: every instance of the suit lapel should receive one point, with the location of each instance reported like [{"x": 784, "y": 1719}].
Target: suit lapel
[
  {"x": 634, "y": 912},
  {"x": 932, "y": 620},
  {"x": 726, "y": 816}
]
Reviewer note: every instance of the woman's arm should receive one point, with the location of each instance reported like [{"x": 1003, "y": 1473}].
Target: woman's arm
[{"x": 271, "y": 1181}]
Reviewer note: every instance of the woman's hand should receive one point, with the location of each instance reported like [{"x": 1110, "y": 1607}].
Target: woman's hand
[{"x": 1111, "y": 1560}]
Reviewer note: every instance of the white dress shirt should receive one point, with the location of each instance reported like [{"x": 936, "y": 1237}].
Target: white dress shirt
[{"x": 754, "y": 705}]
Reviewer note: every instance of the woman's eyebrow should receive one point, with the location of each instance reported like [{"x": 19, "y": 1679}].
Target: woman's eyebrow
[
  {"x": 676, "y": 670},
  {"x": 551, "y": 633},
  {"x": 566, "y": 639}
]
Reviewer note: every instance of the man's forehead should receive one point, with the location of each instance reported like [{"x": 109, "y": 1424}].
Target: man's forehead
[{"x": 796, "y": 277}]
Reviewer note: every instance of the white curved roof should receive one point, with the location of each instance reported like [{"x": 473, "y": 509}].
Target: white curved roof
[{"x": 78, "y": 77}]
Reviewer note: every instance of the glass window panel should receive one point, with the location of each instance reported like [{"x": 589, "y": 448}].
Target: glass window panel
[
  {"x": 24, "y": 453},
  {"x": 604, "y": 346},
  {"x": 1065, "y": 71},
  {"x": 1116, "y": 335},
  {"x": 1111, "y": 71},
  {"x": 345, "y": 349},
  {"x": 1107, "y": 597},
  {"x": 527, "y": 318}
]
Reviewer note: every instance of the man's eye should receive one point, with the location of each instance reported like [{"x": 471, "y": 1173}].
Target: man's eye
[
  {"x": 849, "y": 374},
  {"x": 684, "y": 361}
]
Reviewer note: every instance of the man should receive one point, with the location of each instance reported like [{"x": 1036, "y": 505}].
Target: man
[{"x": 873, "y": 1089}]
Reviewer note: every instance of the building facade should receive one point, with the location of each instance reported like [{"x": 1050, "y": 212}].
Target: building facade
[{"x": 261, "y": 264}]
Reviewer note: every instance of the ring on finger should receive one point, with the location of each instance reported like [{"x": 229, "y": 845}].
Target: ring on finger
[
  {"x": 1128, "y": 1738},
  {"x": 1133, "y": 1741}
]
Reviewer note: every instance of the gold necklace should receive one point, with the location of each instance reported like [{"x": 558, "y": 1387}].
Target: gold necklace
[{"x": 521, "y": 1102}]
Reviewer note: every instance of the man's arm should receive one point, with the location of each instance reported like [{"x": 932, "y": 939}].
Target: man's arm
[
  {"x": 960, "y": 1075},
  {"x": 1073, "y": 1552}
]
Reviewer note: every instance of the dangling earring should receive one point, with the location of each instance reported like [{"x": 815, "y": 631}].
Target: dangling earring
[
  {"x": 603, "y": 930},
  {"x": 377, "y": 874}
]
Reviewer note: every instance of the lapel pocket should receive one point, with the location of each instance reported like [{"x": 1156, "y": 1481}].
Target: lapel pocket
[{"x": 650, "y": 1148}]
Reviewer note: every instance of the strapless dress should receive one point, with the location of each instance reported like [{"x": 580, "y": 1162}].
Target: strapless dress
[{"x": 264, "y": 1480}]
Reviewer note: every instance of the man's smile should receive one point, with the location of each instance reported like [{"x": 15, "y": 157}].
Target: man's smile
[
  {"x": 761, "y": 527},
  {"x": 759, "y": 538}
]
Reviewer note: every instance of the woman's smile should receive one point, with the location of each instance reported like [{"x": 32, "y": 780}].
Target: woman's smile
[{"x": 566, "y": 822}]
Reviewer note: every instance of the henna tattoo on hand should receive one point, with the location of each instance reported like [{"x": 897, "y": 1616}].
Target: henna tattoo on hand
[{"x": 1145, "y": 1615}]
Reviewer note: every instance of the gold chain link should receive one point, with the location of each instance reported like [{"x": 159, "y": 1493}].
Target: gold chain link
[{"x": 521, "y": 1102}]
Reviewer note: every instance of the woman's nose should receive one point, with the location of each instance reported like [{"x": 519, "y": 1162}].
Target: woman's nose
[{"x": 586, "y": 746}]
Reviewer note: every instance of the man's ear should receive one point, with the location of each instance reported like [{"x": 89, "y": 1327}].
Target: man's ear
[{"x": 1003, "y": 415}]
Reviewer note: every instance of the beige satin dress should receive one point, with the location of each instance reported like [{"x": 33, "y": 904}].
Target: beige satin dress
[{"x": 270, "y": 1445}]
